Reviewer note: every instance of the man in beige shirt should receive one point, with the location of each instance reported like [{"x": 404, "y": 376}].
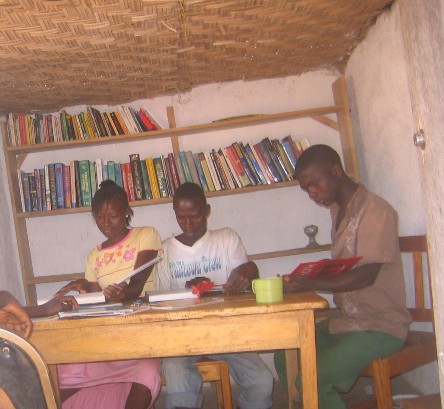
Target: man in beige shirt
[{"x": 373, "y": 319}]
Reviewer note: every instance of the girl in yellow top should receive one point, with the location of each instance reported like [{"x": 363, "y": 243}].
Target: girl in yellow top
[{"x": 119, "y": 384}]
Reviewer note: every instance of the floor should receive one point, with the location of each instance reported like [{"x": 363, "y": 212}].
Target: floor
[{"x": 280, "y": 401}]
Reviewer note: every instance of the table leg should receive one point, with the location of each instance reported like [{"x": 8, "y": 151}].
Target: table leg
[
  {"x": 291, "y": 363},
  {"x": 308, "y": 361}
]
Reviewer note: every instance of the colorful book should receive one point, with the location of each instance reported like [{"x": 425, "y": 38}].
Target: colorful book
[
  {"x": 67, "y": 186},
  {"x": 136, "y": 169},
  {"x": 52, "y": 185},
  {"x": 123, "y": 169},
  {"x": 180, "y": 170},
  {"x": 146, "y": 180},
  {"x": 160, "y": 175},
  {"x": 283, "y": 159},
  {"x": 168, "y": 176},
  {"x": 117, "y": 123},
  {"x": 237, "y": 166},
  {"x": 130, "y": 182},
  {"x": 236, "y": 181},
  {"x": 256, "y": 164},
  {"x": 78, "y": 183},
  {"x": 200, "y": 172},
  {"x": 192, "y": 167},
  {"x": 155, "y": 125},
  {"x": 47, "y": 188},
  {"x": 186, "y": 168},
  {"x": 271, "y": 166},
  {"x": 213, "y": 174},
  {"x": 72, "y": 172},
  {"x": 226, "y": 174},
  {"x": 154, "y": 184},
  {"x": 42, "y": 187},
  {"x": 326, "y": 267},
  {"x": 85, "y": 182},
  {"x": 287, "y": 144},
  {"x": 254, "y": 172},
  {"x": 174, "y": 171}
]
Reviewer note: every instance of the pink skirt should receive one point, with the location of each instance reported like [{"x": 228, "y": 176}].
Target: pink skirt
[{"x": 106, "y": 385}]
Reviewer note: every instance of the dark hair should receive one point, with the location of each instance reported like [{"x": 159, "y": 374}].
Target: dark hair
[
  {"x": 190, "y": 190},
  {"x": 319, "y": 155},
  {"x": 107, "y": 191}
]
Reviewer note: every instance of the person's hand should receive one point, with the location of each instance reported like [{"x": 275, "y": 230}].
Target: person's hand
[
  {"x": 115, "y": 292},
  {"x": 13, "y": 316},
  {"x": 195, "y": 281},
  {"x": 57, "y": 304},
  {"x": 294, "y": 284},
  {"x": 237, "y": 283},
  {"x": 80, "y": 285}
]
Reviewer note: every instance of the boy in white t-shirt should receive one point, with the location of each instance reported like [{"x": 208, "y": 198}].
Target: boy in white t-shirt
[{"x": 196, "y": 255}]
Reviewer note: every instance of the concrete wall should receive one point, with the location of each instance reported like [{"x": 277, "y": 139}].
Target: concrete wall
[{"x": 383, "y": 127}]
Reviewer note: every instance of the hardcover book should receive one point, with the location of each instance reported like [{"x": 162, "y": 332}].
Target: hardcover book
[
  {"x": 67, "y": 186},
  {"x": 136, "y": 170},
  {"x": 58, "y": 167},
  {"x": 268, "y": 147},
  {"x": 206, "y": 172},
  {"x": 266, "y": 156},
  {"x": 154, "y": 184},
  {"x": 85, "y": 182},
  {"x": 146, "y": 180},
  {"x": 192, "y": 167},
  {"x": 326, "y": 267},
  {"x": 160, "y": 175},
  {"x": 237, "y": 166},
  {"x": 200, "y": 172}
]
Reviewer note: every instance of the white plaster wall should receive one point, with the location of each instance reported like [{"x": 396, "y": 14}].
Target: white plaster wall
[{"x": 383, "y": 127}]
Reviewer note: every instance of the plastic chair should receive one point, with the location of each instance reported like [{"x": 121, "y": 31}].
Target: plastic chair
[
  {"x": 420, "y": 346},
  {"x": 24, "y": 376}
]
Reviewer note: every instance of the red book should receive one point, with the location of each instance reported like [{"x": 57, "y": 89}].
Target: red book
[
  {"x": 130, "y": 181},
  {"x": 125, "y": 180},
  {"x": 326, "y": 267},
  {"x": 174, "y": 173},
  {"x": 148, "y": 120},
  {"x": 237, "y": 166}
]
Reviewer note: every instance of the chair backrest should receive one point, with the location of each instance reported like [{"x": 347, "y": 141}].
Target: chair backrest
[
  {"x": 24, "y": 375},
  {"x": 417, "y": 247}
]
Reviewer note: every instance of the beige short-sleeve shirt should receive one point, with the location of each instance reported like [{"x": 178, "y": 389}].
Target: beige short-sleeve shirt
[{"x": 369, "y": 229}]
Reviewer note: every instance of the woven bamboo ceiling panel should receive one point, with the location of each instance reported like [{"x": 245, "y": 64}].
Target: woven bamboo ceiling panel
[{"x": 59, "y": 53}]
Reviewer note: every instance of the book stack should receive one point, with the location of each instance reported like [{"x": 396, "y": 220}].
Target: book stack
[
  {"x": 61, "y": 186},
  {"x": 46, "y": 128}
]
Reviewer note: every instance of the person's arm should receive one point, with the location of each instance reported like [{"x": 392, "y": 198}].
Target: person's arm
[
  {"x": 13, "y": 316},
  {"x": 241, "y": 277},
  {"x": 52, "y": 307},
  {"x": 129, "y": 292},
  {"x": 81, "y": 285},
  {"x": 352, "y": 280}
]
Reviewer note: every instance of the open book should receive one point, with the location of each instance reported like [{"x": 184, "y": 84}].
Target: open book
[
  {"x": 140, "y": 269},
  {"x": 326, "y": 267}
]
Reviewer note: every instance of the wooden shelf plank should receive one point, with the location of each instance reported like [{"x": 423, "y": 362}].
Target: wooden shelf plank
[
  {"x": 186, "y": 130},
  {"x": 152, "y": 202}
]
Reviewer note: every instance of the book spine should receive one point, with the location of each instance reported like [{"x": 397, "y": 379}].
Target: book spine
[
  {"x": 118, "y": 173},
  {"x": 106, "y": 124},
  {"x": 233, "y": 174},
  {"x": 128, "y": 119},
  {"x": 111, "y": 170},
  {"x": 123, "y": 169},
  {"x": 89, "y": 125},
  {"x": 67, "y": 186},
  {"x": 136, "y": 170},
  {"x": 213, "y": 173},
  {"x": 111, "y": 123},
  {"x": 72, "y": 173},
  {"x": 180, "y": 170},
  {"x": 117, "y": 123},
  {"x": 237, "y": 166},
  {"x": 255, "y": 164},
  {"x": 186, "y": 168},
  {"x": 93, "y": 177},
  {"x": 130, "y": 181},
  {"x": 283, "y": 159},
  {"x": 26, "y": 192},
  {"x": 32, "y": 191},
  {"x": 160, "y": 177},
  {"x": 38, "y": 189},
  {"x": 274, "y": 157},
  {"x": 85, "y": 182},
  {"x": 99, "y": 122},
  {"x": 250, "y": 163},
  {"x": 226, "y": 171},
  {"x": 223, "y": 180},
  {"x": 206, "y": 172},
  {"x": 23, "y": 139},
  {"x": 192, "y": 167},
  {"x": 200, "y": 172},
  {"x": 174, "y": 171},
  {"x": 99, "y": 172},
  {"x": 152, "y": 178},
  {"x": 269, "y": 162},
  {"x": 47, "y": 188},
  {"x": 153, "y": 122},
  {"x": 139, "y": 125},
  {"x": 122, "y": 122},
  {"x": 43, "y": 187},
  {"x": 52, "y": 185},
  {"x": 93, "y": 121},
  {"x": 147, "y": 125},
  {"x": 245, "y": 164},
  {"x": 58, "y": 167},
  {"x": 167, "y": 173},
  {"x": 286, "y": 144},
  {"x": 145, "y": 180}
]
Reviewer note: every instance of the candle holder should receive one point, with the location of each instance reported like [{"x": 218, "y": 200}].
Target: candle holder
[{"x": 311, "y": 232}]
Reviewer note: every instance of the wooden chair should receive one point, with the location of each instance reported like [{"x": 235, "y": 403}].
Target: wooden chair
[
  {"x": 420, "y": 346},
  {"x": 24, "y": 376},
  {"x": 216, "y": 371}
]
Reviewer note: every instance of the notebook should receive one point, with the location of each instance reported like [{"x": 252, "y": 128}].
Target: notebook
[
  {"x": 99, "y": 310},
  {"x": 168, "y": 295}
]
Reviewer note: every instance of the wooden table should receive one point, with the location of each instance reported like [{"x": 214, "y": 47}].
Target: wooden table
[{"x": 236, "y": 325}]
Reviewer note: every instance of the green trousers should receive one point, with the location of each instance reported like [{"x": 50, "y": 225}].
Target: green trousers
[{"x": 340, "y": 360}]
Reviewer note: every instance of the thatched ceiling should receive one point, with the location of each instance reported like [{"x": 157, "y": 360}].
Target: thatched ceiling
[{"x": 58, "y": 53}]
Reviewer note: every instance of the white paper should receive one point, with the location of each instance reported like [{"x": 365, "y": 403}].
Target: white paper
[{"x": 139, "y": 269}]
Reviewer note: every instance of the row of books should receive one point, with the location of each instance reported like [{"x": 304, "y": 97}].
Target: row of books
[
  {"x": 46, "y": 128},
  {"x": 59, "y": 186}
]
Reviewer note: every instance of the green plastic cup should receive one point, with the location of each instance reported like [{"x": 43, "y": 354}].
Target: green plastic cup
[{"x": 268, "y": 290}]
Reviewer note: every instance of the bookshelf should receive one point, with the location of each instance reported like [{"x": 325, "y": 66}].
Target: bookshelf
[{"x": 15, "y": 156}]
